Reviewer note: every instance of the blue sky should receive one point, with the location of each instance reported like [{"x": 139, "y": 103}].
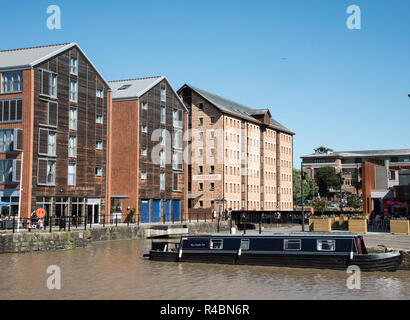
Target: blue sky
[{"x": 345, "y": 89}]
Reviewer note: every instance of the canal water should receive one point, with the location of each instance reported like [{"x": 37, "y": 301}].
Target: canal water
[{"x": 117, "y": 270}]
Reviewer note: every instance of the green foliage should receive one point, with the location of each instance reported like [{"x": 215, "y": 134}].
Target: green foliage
[
  {"x": 354, "y": 202},
  {"x": 327, "y": 178},
  {"x": 320, "y": 205},
  {"x": 307, "y": 187}
]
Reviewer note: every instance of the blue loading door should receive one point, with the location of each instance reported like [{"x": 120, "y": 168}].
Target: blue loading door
[
  {"x": 145, "y": 211},
  {"x": 156, "y": 210},
  {"x": 176, "y": 210},
  {"x": 167, "y": 210}
]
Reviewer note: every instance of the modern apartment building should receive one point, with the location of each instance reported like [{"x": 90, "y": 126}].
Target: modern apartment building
[
  {"x": 350, "y": 163},
  {"x": 148, "y": 124},
  {"x": 54, "y": 107},
  {"x": 240, "y": 159}
]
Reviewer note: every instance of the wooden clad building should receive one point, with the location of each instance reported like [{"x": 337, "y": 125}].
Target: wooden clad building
[
  {"x": 149, "y": 174},
  {"x": 54, "y": 110}
]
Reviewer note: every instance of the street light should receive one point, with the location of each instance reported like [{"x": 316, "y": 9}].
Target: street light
[{"x": 303, "y": 177}]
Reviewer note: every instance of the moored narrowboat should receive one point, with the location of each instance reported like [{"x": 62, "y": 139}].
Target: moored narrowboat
[{"x": 323, "y": 251}]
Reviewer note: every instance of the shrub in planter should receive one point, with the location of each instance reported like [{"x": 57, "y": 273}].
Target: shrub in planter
[
  {"x": 399, "y": 226},
  {"x": 358, "y": 224},
  {"x": 321, "y": 224}
]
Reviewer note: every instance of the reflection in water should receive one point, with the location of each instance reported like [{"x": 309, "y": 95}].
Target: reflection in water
[{"x": 116, "y": 270}]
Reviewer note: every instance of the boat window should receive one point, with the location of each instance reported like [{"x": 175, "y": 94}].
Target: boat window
[
  {"x": 326, "y": 245},
  {"x": 245, "y": 244},
  {"x": 293, "y": 244},
  {"x": 216, "y": 244}
]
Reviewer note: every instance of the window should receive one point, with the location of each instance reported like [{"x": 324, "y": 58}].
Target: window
[
  {"x": 201, "y": 169},
  {"x": 11, "y": 82},
  {"x": 163, "y": 114},
  {"x": 212, "y": 186},
  {"x": 6, "y": 140},
  {"x": 144, "y": 128},
  {"x": 201, "y": 121},
  {"x": 73, "y": 91},
  {"x": 46, "y": 172},
  {"x": 72, "y": 147},
  {"x": 212, "y": 169},
  {"x": 212, "y": 152},
  {"x": 143, "y": 175},
  {"x": 201, "y": 152},
  {"x": 73, "y": 65},
  {"x": 99, "y": 93},
  {"x": 72, "y": 169},
  {"x": 47, "y": 142},
  {"x": 11, "y": 110},
  {"x": 245, "y": 244},
  {"x": 201, "y": 136},
  {"x": 175, "y": 181},
  {"x": 144, "y": 151},
  {"x": 178, "y": 118},
  {"x": 177, "y": 160},
  {"x": 98, "y": 171},
  {"x": 162, "y": 180},
  {"x": 163, "y": 94},
  {"x": 213, "y": 120},
  {"x": 162, "y": 138},
  {"x": 292, "y": 244},
  {"x": 201, "y": 106},
  {"x": 144, "y": 105},
  {"x": 99, "y": 119},
  {"x": 6, "y": 171},
  {"x": 124, "y": 87},
  {"x": 178, "y": 138},
  {"x": 48, "y": 83},
  {"x": 201, "y": 186},
  {"x": 99, "y": 145},
  {"x": 326, "y": 245},
  {"x": 216, "y": 244},
  {"x": 212, "y": 134},
  {"x": 52, "y": 114},
  {"x": 162, "y": 158},
  {"x": 72, "y": 122}
]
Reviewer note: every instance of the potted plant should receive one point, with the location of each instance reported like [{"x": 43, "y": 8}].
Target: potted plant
[
  {"x": 320, "y": 223},
  {"x": 358, "y": 224},
  {"x": 399, "y": 226}
]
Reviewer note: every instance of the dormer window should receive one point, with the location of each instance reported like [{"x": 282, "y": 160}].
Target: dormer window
[{"x": 124, "y": 87}]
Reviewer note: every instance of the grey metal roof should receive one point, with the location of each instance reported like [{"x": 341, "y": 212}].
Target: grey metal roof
[
  {"x": 27, "y": 58},
  {"x": 135, "y": 88},
  {"x": 230, "y": 106},
  {"x": 363, "y": 153}
]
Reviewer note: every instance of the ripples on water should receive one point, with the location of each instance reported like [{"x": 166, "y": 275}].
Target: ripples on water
[{"x": 116, "y": 270}]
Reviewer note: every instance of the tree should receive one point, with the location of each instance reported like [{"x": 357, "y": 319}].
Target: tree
[
  {"x": 354, "y": 202},
  {"x": 319, "y": 205},
  {"x": 327, "y": 178},
  {"x": 307, "y": 187}
]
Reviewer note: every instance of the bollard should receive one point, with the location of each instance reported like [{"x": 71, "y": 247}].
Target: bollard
[
  {"x": 14, "y": 222},
  {"x": 85, "y": 222},
  {"x": 69, "y": 223},
  {"x": 116, "y": 221}
]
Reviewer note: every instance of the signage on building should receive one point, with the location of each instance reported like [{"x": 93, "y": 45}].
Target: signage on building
[{"x": 207, "y": 177}]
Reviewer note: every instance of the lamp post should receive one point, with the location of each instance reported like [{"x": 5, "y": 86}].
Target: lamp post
[{"x": 341, "y": 191}]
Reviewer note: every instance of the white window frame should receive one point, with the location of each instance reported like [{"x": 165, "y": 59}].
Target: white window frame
[
  {"x": 99, "y": 93},
  {"x": 98, "y": 171},
  {"x": 144, "y": 128},
  {"x": 287, "y": 241},
  {"x": 73, "y": 91},
  {"x": 214, "y": 241},
  {"x": 99, "y": 144},
  {"x": 72, "y": 122},
  {"x": 162, "y": 179},
  {"x": 144, "y": 175},
  {"x": 163, "y": 94},
  {"x": 319, "y": 245},
  {"x": 72, "y": 148},
  {"x": 99, "y": 119},
  {"x": 243, "y": 241},
  {"x": 16, "y": 78},
  {"x": 163, "y": 114},
  {"x": 74, "y": 66},
  {"x": 74, "y": 174}
]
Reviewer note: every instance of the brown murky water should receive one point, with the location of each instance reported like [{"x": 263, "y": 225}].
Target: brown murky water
[{"x": 116, "y": 270}]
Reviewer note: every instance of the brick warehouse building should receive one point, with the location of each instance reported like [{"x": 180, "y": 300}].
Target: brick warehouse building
[
  {"x": 147, "y": 145},
  {"x": 240, "y": 157},
  {"x": 54, "y": 107}
]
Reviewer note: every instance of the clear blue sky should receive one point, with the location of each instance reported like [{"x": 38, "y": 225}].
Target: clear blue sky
[{"x": 345, "y": 89}]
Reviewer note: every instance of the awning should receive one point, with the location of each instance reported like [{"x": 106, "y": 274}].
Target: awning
[{"x": 194, "y": 195}]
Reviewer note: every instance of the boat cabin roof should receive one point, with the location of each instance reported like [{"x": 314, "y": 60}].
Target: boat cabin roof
[{"x": 275, "y": 235}]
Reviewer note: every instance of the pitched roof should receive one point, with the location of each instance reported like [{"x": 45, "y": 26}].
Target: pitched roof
[
  {"x": 229, "y": 106},
  {"x": 363, "y": 153},
  {"x": 136, "y": 88},
  {"x": 27, "y": 58}
]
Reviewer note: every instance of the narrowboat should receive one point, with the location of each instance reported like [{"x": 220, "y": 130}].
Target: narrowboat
[{"x": 323, "y": 251}]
